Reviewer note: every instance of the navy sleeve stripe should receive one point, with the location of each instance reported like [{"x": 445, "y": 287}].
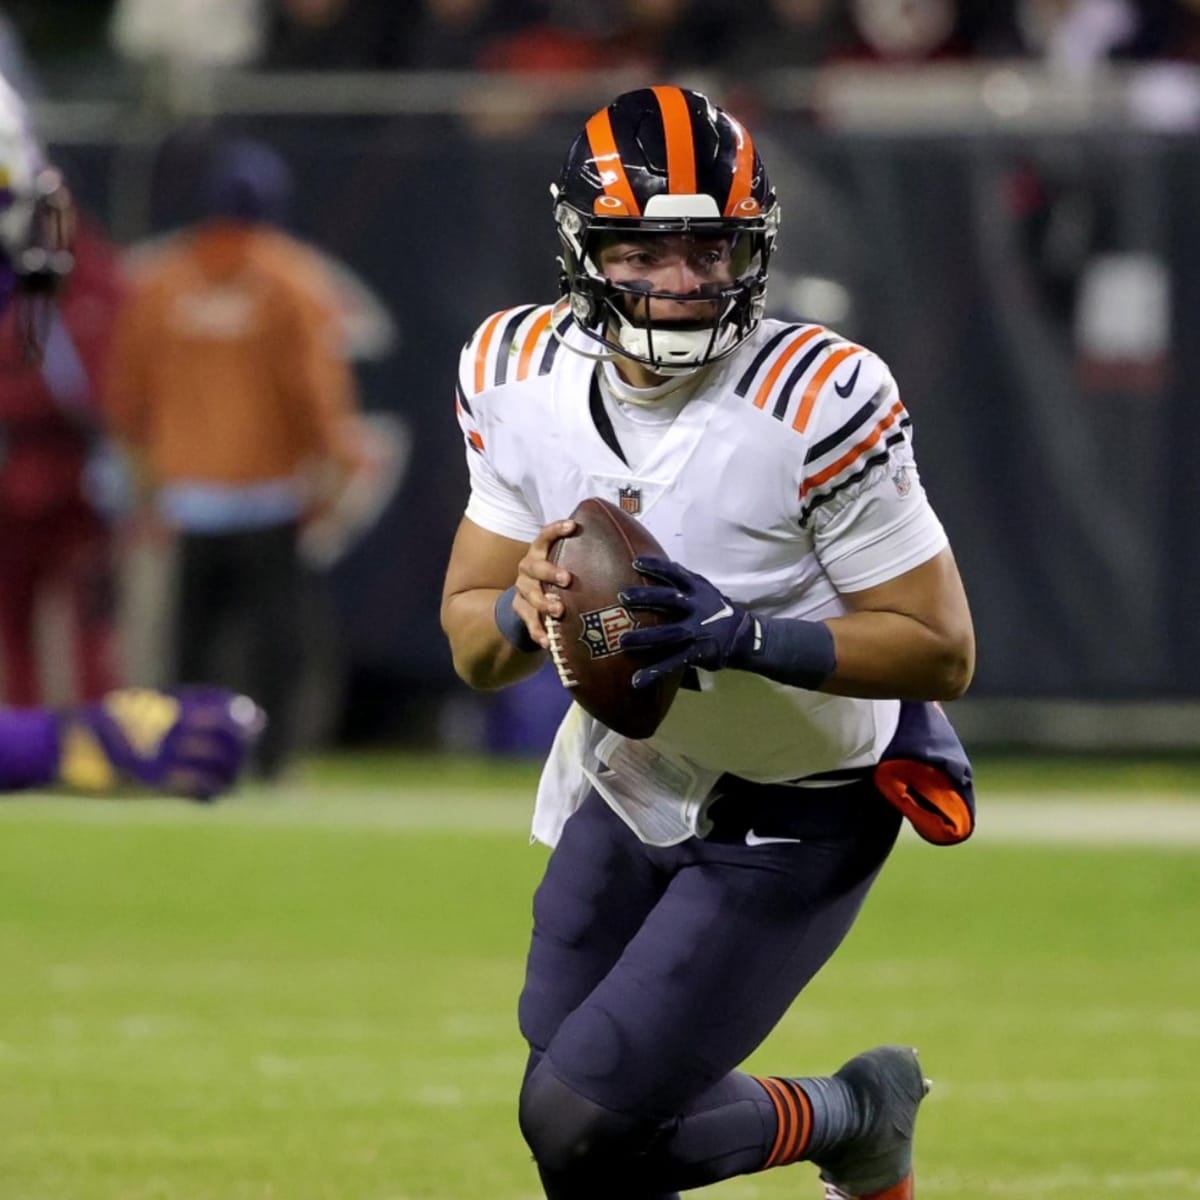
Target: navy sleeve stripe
[
  {"x": 797, "y": 373},
  {"x": 461, "y": 397},
  {"x": 507, "y": 338},
  {"x": 814, "y": 502},
  {"x": 761, "y": 357},
  {"x": 846, "y": 431},
  {"x": 560, "y": 331}
]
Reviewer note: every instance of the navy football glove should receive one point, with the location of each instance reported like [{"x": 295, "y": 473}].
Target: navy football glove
[
  {"x": 711, "y": 632},
  {"x": 708, "y": 630}
]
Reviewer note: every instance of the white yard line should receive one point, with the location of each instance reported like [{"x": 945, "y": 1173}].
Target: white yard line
[
  {"x": 1050, "y": 820},
  {"x": 1131, "y": 822}
]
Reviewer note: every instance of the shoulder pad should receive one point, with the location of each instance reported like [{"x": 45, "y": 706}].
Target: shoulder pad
[{"x": 511, "y": 345}]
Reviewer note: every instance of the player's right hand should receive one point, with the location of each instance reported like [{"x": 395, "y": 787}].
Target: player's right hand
[{"x": 532, "y": 601}]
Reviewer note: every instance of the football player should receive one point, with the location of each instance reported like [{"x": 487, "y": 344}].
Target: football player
[
  {"x": 700, "y": 878},
  {"x": 192, "y": 742}
]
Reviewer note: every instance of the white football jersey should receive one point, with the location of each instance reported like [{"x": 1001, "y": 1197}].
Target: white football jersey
[{"x": 787, "y": 479}]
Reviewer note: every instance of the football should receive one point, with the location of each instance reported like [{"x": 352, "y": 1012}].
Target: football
[{"x": 585, "y": 642}]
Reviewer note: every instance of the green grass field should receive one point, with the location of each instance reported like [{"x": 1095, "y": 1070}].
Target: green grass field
[{"x": 309, "y": 993}]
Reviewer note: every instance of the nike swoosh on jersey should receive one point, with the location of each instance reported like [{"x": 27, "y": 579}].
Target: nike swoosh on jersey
[
  {"x": 755, "y": 839},
  {"x": 724, "y": 611},
  {"x": 845, "y": 389}
]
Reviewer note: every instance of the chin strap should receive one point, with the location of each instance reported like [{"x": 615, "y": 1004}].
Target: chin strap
[{"x": 619, "y": 389}]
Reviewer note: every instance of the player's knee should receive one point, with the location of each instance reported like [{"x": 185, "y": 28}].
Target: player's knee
[{"x": 567, "y": 1132}]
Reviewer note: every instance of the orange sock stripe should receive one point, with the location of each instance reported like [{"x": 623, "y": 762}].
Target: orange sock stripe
[
  {"x": 806, "y": 1111},
  {"x": 782, "y": 1120},
  {"x": 795, "y": 1133},
  {"x": 799, "y": 1131}
]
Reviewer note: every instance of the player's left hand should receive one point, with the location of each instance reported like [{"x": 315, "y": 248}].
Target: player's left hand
[{"x": 708, "y": 630}]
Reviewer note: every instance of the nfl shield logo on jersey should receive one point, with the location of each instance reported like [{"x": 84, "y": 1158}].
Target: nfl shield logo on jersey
[{"x": 631, "y": 500}]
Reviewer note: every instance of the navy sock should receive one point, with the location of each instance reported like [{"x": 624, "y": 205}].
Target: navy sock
[
  {"x": 837, "y": 1115},
  {"x": 811, "y": 1116}
]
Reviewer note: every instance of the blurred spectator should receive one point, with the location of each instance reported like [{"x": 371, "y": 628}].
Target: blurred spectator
[
  {"x": 340, "y": 35},
  {"x": 650, "y": 36},
  {"x": 664, "y": 36},
  {"x": 1073, "y": 35},
  {"x": 15, "y": 67},
  {"x": 1181, "y": 40},
  {"x": 60, "y": 33},
  {"x": 456, "y": 35},
  {"x": 1169, "y": 30},
  {"x": 906, "y": 31},
  {"x": 229, "y": 386},
  {"x": 787, "y": 33},
  {"x": 54, "y": 540},
  {"x": 188, "y": 32},
  {"x": 1076, "y": 34}
]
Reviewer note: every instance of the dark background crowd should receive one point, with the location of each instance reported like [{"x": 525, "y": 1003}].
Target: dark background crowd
[{"x": 82, "y": 37}]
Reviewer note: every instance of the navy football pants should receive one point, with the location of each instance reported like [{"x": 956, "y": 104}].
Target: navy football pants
[{"x": 653, "y": 972}]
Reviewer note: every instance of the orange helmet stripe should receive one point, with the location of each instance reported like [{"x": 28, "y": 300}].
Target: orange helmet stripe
[
  {"x": 681, "y": 142},
  {"x": 608, "y": 162},
  {"x": 743, "y": 171}
]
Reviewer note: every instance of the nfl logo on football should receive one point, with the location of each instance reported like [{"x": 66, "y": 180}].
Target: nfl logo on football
[
  {"x": 602, "y": 630},
  {"x": 631, "y": 500}
]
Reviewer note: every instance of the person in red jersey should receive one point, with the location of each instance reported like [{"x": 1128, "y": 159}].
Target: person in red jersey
[{"x": 192, "y": 742}]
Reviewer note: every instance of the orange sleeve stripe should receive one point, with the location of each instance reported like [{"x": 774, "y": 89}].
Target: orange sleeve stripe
[
  {"x": 743, "y": 171},
  {"x": 476, "y": 439},
  {"x": 608, "y": 161},
  {"x": 681, "y": 145},
  {"x": 861, "y": 448},
  {"x": 763, "y": 392},
  {"x": 485, "y": 344},
  {"x": 813, "y": 390},
  {"x": 535, "y": 334}
]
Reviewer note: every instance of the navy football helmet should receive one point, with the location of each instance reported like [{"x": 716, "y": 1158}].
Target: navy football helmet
[{"x": 664, "y": 160}]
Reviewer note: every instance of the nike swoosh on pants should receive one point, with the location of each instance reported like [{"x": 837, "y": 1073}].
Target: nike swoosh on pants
[{"x": 754, "y": 839}]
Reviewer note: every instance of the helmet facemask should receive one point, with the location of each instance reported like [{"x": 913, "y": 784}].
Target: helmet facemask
[
  {"x": 664, "y": 161},
  {"x": 36, "y": 235},
  {"x": 616, "y": 314}
]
